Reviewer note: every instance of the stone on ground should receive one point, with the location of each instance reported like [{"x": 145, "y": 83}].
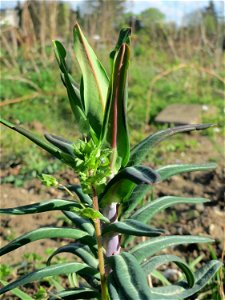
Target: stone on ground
[{"x": 184, "y": 114}]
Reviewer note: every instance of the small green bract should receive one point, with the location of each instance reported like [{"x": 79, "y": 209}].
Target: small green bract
[
  {"x": 49, "y": 180},
  {"x": 92, "y": 164}
]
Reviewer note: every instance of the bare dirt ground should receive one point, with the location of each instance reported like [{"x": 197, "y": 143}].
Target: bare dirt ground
[{"x": 13, "y": 226}]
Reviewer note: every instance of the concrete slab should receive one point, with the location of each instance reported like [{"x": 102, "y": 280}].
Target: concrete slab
[{"x": 182, "y": 114}]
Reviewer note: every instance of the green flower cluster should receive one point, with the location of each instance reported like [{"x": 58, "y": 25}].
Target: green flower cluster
[{"x": 92, "y": 164}]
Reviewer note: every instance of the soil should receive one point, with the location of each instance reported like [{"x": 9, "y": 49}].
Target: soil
[
  {"x": 207, "y": 220},
  {"x": 13, "y": 226}
]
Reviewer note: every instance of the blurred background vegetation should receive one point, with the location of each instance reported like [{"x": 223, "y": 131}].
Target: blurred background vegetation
[{"x": 171, "y": 63}]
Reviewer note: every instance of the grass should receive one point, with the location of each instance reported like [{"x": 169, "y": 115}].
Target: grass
[{"x": 185, "y": 86}]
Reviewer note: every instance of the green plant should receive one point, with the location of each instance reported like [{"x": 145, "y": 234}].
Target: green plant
[{"x": 104, "y": 208}]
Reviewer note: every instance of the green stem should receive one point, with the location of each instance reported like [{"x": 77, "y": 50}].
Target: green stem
[
  {"x": 97, "y": 224},
  {"x": 71, "y": 194}
]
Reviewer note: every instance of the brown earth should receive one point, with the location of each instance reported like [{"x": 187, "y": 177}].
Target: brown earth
[{"x": 13, "y": 226}]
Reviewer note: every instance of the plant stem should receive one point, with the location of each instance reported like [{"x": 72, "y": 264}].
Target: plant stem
[
  {"x": 100, "y": 248},
  {"x": 71, "y": 194}
]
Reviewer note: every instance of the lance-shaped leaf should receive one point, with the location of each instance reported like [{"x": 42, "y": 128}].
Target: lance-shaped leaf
[
  {"x": 136, "y": 174},
  {"x": 81, "y": 223},
  {"x": 150, "y": 247},
  {"x": 181, "y": 290},
  {"x": 115, "y": 132},
  {"x": 72, "y": 87},
  {"x": 115, "y": 291},
  {"x": 124, "y": 38},
  {"x": 148, "y": 211},
  {"x": 129, "y": 276},
  {"x": 120, "y": 187},
  {"x": 83, "y": 251},
  {"x": 171, "y": 170},
  {"x": 165, "y": 173},
  {"x": 54, "y": 204},
  {"x": 60, "y": 269},
  {"x": 141, "y": 150},
  {"x": 76, "y": 293},
  {"x": 95, "y": 81},
  {"x": 161, "y": 278},
  {"x": 61, "y": 143},
  {"x": 17, "y": 292},
  {"x": 33, "y": 138},
  {"x": 43, "y": 233},
  {"x": 150, "y": 265},
  {"x": 132, "y": 227}
]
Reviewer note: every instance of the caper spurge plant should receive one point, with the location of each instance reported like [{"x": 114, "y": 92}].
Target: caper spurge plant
[{"x": 104, "y": 209}]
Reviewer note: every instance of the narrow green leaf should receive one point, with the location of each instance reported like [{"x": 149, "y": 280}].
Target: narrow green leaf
[
  {"x": 157, "y": 261},
  {"x": 124, "y": 38},
  {"x": 73, "y": 92},
  {"x": 120, "y": 187},
  {"x": 171, "y": 170},
  {"x": 181, "y": 290},
  {"x": 60, "y": 269},
  {"x": 148, "y": 211},
  {"x": 140, "y": 151},
  {"x": 43, "y": 233},
  {"x": 95, "y": 81},
  {"x": 54, "y": 204},
  {"x": 17, "y": 292},
  {"x": 158, "y": 275},
  {"x": 75, "y": 86},
  {"x": 115, "y": 132},
  {"x": 54, "y": 282},
  {"x": 115, "y": 291},
  {"x": 132, "y": 227},
  {"x": 129, "y": 276},
  {"x": 195, "y": 262},
  {"x": 150, "y": 247},
  {"x": 33, "y": 138},
  {"x": 82, "y": 223},
  {"x": 136, "y": 174},
  {"x": 76, "y": 293},
  {"x": 79, "y": 249},
  {"x": 68, "y": 81},
  {"x": 61, "y": 143}
]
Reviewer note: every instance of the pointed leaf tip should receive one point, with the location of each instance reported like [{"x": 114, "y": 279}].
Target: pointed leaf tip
[
  {"x": 95, "y": 81},
  {"x": 61, "y": 143},
  {"x": 140, "y": 151},
  {"x": 115, "y": 129},
  {"x": 38, "y": 141}
]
